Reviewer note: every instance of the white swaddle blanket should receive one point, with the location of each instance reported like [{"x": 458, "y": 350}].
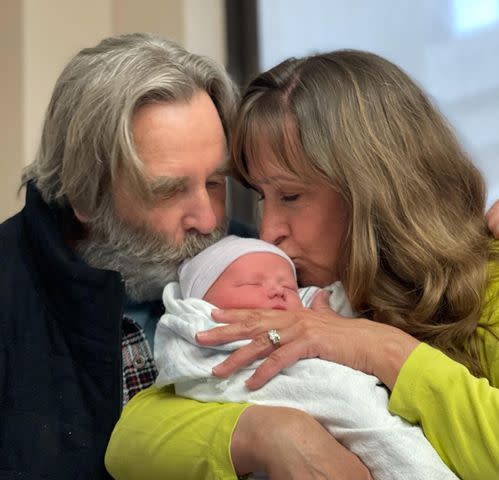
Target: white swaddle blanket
[{"x": 352, "y": 406}]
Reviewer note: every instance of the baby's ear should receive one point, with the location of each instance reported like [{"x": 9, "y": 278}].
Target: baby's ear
[{"x": 321, "y": 300}]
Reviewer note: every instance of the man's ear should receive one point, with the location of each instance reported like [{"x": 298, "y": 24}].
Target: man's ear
[{"x": 82, "y": 218}]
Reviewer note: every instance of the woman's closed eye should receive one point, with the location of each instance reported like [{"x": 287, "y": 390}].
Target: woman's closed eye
[
  {"x": 290, "y": 198},
  {"x": 283, "y": 198},
  {"x": 284, "y": 194}
]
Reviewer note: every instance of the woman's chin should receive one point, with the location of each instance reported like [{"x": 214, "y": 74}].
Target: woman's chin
[{"x": 309, "y": 279}]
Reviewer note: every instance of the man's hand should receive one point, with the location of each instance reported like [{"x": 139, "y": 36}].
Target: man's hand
[
  {"x": 288, "y": 444},
  {"x": 492, "y": 217}
]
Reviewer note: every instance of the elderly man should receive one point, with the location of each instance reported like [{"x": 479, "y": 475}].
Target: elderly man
[{"x": 129, "y": 180}]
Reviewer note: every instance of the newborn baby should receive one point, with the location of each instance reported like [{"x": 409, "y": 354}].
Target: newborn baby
[{"x": 248, "y": 273}]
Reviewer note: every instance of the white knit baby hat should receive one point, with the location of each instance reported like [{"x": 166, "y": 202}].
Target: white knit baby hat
[{"x": 197, "y": 274}]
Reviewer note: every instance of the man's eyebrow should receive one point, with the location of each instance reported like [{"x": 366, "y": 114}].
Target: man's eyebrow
[
  {"x": 166, "y": 187},
  {"x": 222, "y": 169}
]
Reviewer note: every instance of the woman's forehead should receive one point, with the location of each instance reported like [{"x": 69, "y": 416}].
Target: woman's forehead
[
  {"x": 266, "y": 161},
  {"x": 272, "y": 175}
]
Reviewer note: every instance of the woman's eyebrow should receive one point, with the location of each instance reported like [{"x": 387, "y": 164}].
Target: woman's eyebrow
[{"x": 276, "y": 179}]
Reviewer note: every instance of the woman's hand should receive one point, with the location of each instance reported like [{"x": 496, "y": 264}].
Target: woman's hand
[
  {"x": 289, "y": 444},
  {"x": 492, "y": 217},
  {"x": 364, "y": 345}
]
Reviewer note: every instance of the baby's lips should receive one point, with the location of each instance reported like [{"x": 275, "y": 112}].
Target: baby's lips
[{"x": 279, "y": 307}]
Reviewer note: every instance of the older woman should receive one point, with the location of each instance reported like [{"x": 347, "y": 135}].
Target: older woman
[{"x": 362, "y": 181}]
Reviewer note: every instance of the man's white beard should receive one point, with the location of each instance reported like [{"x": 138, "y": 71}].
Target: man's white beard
[{"x": 145, "y": 260}]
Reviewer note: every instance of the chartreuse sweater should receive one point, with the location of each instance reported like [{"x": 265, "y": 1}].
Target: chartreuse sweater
[
  {"x": 160, "y": 435},
  {"x": 459, "y": 413}
]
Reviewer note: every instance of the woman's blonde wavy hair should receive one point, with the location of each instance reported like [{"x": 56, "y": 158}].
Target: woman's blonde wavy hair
[
  {"x": 416, "y": 249},
  {"x": 87, "y": 135}
]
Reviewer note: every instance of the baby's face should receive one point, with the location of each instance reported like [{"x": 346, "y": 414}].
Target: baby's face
[{"x": 256, "y": 280}]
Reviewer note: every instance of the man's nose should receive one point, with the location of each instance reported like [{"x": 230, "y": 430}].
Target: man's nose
[{"x": 201, "y": 216}]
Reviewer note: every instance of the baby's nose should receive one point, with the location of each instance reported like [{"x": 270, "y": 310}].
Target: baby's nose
[{"x": 276, "y": 290}]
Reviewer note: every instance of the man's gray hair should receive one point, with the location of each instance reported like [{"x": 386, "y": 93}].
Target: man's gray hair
[{"x": 87, "y": 135}]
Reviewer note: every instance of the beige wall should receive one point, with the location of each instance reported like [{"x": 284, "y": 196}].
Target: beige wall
[
  {"x": 11, "y": 99},
  {"x": 53, "y": 31},
  {"x": 38, "y": 37}
]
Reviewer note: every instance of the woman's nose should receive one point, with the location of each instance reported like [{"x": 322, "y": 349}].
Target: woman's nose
[{"x": 273, "y": 228}]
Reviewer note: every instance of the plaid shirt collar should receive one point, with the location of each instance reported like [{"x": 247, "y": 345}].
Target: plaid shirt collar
[{"x": 139, "y": 370}]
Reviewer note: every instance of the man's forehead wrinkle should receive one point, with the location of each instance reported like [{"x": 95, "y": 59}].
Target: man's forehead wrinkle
[
  {"x": 173, "y": 149},
  {"x": 151, "y": 137},
  {"x": 158, "y": 158},
  {"x": 173, "y": 157}
]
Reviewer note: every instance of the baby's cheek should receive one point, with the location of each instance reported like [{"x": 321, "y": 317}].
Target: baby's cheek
[
  {"x": 295, "y": 303},
  {"x": 217, "y": 297}
]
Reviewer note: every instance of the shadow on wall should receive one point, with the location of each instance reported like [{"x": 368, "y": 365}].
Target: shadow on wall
[{"x": 242, "y": 203}]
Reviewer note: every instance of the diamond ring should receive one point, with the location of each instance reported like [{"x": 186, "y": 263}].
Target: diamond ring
[{"x": 274, "y": 337}]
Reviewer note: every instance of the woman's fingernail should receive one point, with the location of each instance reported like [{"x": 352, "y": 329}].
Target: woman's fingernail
[
  {"x": 249, "y": 383},
  {"x": 217, "y": 313},
  {"x": 201, "y": 335},
  {"x": 217, "y": 370}
]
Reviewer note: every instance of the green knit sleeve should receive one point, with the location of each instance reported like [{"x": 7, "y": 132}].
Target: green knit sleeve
[
  {"x": 160, "y": 435},
  {"x": 458, "y": 412}
]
